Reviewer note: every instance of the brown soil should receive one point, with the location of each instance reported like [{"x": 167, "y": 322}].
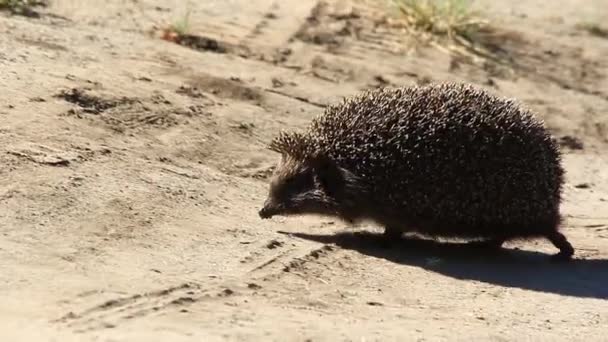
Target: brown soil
[{"x": 132, "y": 169}]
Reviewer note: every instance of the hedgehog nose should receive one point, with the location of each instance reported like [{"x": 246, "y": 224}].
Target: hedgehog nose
[{"x": 264, "y": 213}]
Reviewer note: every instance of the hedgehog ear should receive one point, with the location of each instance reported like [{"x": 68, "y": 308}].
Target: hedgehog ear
[{"x": 328, "y": 175}]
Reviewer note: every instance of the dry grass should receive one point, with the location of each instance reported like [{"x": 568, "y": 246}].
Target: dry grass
[
  {"x": 182, "y": 25},
  {"x": 179, "y": 27},
  {"x": 452, "y": 26},
  {"x": 452, "y": 19},
  {"x": 593, "y": 29},
  {"x": 21, "y": 7}
]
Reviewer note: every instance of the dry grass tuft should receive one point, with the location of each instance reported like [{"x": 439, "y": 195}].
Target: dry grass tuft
[
  {"x": 22, "y": 7},
  {"x": 452, "y": 26},
  {"x": 593, "y": 29},
  {"x": 444, "y": 18},
  {"x": 179, "y": 28}
]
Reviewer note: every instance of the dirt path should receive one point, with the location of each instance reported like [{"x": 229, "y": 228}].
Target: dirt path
[{"x": 132, "y": 169}]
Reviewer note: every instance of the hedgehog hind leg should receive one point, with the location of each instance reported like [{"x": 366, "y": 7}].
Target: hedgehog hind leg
[{"x": 560, "y": 242}]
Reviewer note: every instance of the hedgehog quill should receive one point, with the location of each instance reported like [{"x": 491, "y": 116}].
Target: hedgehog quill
[{"x": 442, "y": 160}]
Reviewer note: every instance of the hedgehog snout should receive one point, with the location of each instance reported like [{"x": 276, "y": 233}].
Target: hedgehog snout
[
  {"x": 268, "y": 210},
  {"x": 265, "y": 213}
]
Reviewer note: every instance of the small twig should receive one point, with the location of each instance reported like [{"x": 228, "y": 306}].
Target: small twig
[
  {"x": 296, "y": 97},
  {"x": 270, "y": 261},
  {"x": 183, "y": 174},
  {"x": 587, "y": 217}
]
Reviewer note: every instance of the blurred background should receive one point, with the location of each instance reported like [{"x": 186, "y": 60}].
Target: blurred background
[{"x": 133, "y": 161}]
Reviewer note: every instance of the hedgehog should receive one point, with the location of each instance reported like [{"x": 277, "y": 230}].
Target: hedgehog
[{"x": 443, "y": 160}]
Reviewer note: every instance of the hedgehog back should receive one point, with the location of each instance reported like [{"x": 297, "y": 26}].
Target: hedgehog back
[{"x": 451, "y": 159}]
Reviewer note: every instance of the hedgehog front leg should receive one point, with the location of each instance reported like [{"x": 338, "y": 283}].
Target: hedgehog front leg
[
  {"x": 392, "y": 233},
  {"x": 390, "y": 236}
]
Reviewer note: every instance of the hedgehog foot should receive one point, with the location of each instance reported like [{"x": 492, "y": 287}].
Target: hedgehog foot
[
  {"x": 565, "y": 248},
  {"x": 390, "y": 236},
  {"x": 391, "y": 233}
]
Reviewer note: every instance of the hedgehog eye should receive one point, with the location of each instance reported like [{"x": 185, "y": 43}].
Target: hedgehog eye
[
  {"x": 288, "y": 184},
  {"x": 296, "y": 184}
]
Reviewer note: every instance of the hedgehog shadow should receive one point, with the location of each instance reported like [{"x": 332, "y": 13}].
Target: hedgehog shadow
[{"x": 505, "y": 267}]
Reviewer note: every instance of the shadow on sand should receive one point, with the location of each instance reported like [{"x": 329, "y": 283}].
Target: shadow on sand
[{"x": 506, "y": 267}]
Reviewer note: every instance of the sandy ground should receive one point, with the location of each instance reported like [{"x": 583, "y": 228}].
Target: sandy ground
[{"x": 132, "y": 169}]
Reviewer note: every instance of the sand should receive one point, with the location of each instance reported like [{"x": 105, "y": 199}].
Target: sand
[{"x": 132, "y": 169}]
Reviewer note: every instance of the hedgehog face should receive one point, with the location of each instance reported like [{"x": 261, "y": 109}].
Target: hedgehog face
[{"x": 303, "y": 187}]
